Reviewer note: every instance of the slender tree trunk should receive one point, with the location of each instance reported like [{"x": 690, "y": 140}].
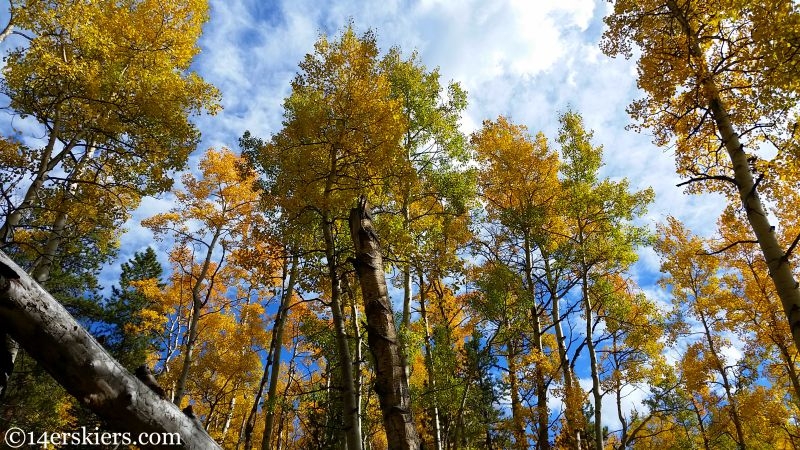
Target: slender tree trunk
[
  {"x": 352, "y": 423},
  {"x": 423, "y": 311},
  {"x": 197, "y": 306},
  {"x": 572, "y": 400},
  {"x": 180, "y": 387},
  {"x": 596, "y": 394},
  {"x": 624, "y": 437},
  {"x": 284, "y": 396},
  {"x": 357, "y": 364},
  {"x": 10, "y": 348},
  {"x": 458, "y": 438},
  {"x": 82, "y": 366},
  {"x": 406, "y": 296},
  {"x": 517, "y": 422},
  {"x": 228, "y": 417},
  {"x": 275, "y": 356},
  {"x": 791, "y": 372},
  {"x": 720, "y": 367},
  {"x": 778, "y": 264},
  {"x": 41, "y": 267},
  {"x": 542, "y": 411},
  {"x": 391, "y": 383},
  {"x": 407, "y": 292},
  {"x": 45, "y": 166},
  {"x": 703, "y": 433},
  {"x": 543, "y": 419},
  {"x": 358, "y": 357},
  {"x": 407, "y": 287},
  {"x": 249, "y": 424}
]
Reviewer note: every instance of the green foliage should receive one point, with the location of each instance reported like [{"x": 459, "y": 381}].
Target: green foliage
[{"x": 128, "y": 344}]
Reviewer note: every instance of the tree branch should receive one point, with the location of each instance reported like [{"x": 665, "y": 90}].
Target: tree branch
[
  {"x": 789, "y": 250},
  {"x": 41, "y": 325},
  {"x": 707, "y": 178},
  {"x": 727, "y": 247}
]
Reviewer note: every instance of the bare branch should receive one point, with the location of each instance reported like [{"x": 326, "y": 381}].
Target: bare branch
[
  {"x": 789, "y": 251},
  {"x": 727, "y": 247},
  {"x": 707, "y": 178}
]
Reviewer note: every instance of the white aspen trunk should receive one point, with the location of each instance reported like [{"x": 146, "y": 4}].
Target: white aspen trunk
[
  {"x": 780, "y": 268},
  {"x": 423, "y": 311}
]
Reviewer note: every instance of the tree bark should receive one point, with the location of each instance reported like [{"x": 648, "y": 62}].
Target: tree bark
[
  {"x": 596, "y": 394},
  {"x": 275, "y": 357},
  {"x": 423, "y": 312},
  {"x": 780, "y": 268},
  {"x": 352, "y": 422},
  {"x": 543, "y": 419},
  {"x": 517, "y": 422},
  {"x": 391, "y": 383},
  {"x": 82, "y": 366},
  {"x": 572, "y": 402}
]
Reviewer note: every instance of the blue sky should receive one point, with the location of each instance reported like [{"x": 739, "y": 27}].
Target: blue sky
[{"x": 529, "y": 60}]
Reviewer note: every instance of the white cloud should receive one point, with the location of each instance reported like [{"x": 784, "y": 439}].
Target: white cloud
[{"x": 631, "y": 399}]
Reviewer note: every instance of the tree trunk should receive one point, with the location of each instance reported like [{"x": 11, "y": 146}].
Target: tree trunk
[
  {"x": 228, "y": 417},
  {"x": 41, "y": 267},
  {"x": 357, "y": 358},
  {"x": 791, "y": 371},
  {"x": 543, "y": 419},
  {"x": 780, "y": 268},
  {"x": 720, "y": 367},
  {"x": 596, "y": 394},
  {"x": 423, "y": 312},
  {"x": 407, "y": 293},
  {"x": 391, "y": 383},
  {"x": 188, "y": 355},
  {"x": 82, "y": 366},
  {"x": 10, "y": 349},
  {"x": 282, "y": 417},
  {"x": 624, "y": 436},
  {"x": 249, "y": 424},
  {"x": 352, "y": 423},
  {"x": 572, "y": 403},
  {"x": 46, "y": 164},
  {"x": 275, "y": 356},
  {"x": 517, "y": 422},
  {"x": 197, "y": 306},
  {"x": 703, "y": 434}
]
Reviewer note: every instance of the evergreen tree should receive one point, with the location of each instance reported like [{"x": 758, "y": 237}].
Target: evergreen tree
[{"x": 127, "y": 309}]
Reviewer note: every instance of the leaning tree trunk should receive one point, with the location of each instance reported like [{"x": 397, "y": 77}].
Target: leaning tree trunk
[
  {"x": 780, "y": 268},
  {"x": 8, "y": 347},
  {"x": 82, "y": 366},
  {"x": 391, "y": 383}
]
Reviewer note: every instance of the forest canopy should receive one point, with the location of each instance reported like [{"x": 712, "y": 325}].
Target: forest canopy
[{"x": 408, "y": 247}]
